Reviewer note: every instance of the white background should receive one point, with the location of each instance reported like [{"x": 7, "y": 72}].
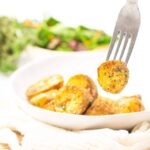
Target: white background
[{"x": 94, "y": 13}]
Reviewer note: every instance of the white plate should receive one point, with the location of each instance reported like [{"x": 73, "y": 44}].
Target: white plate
[{"x": 68, "y": 65}]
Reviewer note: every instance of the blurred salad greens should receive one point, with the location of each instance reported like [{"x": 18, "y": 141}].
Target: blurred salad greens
[{"x": 49, "y": 34}]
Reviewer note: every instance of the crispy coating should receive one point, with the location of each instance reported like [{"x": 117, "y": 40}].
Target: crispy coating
[
  {"x": 106, "y": 106},
  {"x": 101, "y": 106},
  {"x": 129, "y": 104},
  {"x": 84, "y": 81},
  {"x": 80, "y": 95},
  {"x": 52, "y": 82},
  {"x": 72, "y": 99},
  {"x": 50, "y": 105},
  {"x": 42, "y": 99},
  {"x": 113, "y": 76}
]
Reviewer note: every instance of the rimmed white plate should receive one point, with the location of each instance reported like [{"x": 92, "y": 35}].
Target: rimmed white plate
[{"x": 68, "y": 65}]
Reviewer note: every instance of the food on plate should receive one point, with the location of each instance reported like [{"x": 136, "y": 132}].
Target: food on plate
[
  {"x": 50, "y": 105},
  {"x": 52, "y": 82},
  {"x": 52, "y": 35},
  {"x": 13, "y": 39},
  {"x": 106, "y": 106},
  {"x": 129, "y": 104},
  {"x": 78, "y": 96},
  {"x": 72, "y": 99},
  {"x": 101, "y": 106},
  {"x": 113, "y": 76},
  {"x": 60, "y": 38},
  {"x": 44, "y": 98},
  {"x": 84, "y": 81},
  {"x": 48, "y": 33}
]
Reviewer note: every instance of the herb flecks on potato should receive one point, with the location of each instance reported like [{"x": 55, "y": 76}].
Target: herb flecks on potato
[
  {"x": 129, "y": 104},
  {"x": 84, "y": 81},
  {"x": 78, "y": 96},
  {"x": 113, "y": 76},
  {"x": 106, "y": 106},
  {"x": 72, "y": 99},
  {"x": 101, "y": 106}
]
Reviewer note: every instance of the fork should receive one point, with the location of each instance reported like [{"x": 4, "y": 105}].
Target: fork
[{"x": 127, "y": 26}]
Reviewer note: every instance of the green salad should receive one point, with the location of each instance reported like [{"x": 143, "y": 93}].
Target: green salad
[
  {"x": 13, "y": 39},
  {"x": 49, "y": 34}
]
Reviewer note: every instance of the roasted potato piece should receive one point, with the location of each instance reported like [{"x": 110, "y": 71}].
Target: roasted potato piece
[
  {"x": 52, "y": 82},
  {"x": 42, "y": 99},
  {"x": 50, "y": 105},
  {"x": 83, "y": 81},
  {"x": 101, "y": 106},
  {"x": 113, "y": 76},
  {"x": 72, "y": 99},
  {"x": 129, "y": 104}
]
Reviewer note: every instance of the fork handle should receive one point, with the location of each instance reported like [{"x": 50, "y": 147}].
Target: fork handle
[{"x": 132, "y": 1}]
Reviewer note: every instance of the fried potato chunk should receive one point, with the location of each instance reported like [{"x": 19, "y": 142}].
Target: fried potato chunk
[
  {"x": 42, "y": 99},
  {"x": 84, "y": 81},
  {"x": 101, "y": 106},
  {"x": 113, "y": 76},
  {"x": 129, "y": 104},
  {"x": 52, "y": 82},
  {"x": 50, "y": 105},
  {"x": 72, "y": 99},
  {"x": 106, "y": 106}
]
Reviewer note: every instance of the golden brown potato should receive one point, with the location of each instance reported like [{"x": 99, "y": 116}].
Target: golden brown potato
[
  {"x": 113, "y": 76},
  {"x": 72, "y": 99},
  {"x": 42, "y": 99},
  {"x": 129, "y": 104},
  {"x": 50, "y": 105},
  {"x": 83, "y": 81},
  {"x": 52, "y": 82},
  {"x": 101, "y": 106}
]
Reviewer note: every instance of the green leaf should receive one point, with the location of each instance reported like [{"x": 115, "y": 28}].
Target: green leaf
[{"x": 51, "y": 22}]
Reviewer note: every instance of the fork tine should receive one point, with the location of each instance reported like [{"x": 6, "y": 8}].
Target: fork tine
[
  {"x": 124, "y": 46},
  {"x": 118, "y": 46},
  {"x": 114, "y": 37},
  {"x": 129, "y": 21},
  {"x": 133, "y": 39}
]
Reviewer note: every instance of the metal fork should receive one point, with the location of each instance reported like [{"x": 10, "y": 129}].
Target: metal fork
[{"x": 127, "y": 27}]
